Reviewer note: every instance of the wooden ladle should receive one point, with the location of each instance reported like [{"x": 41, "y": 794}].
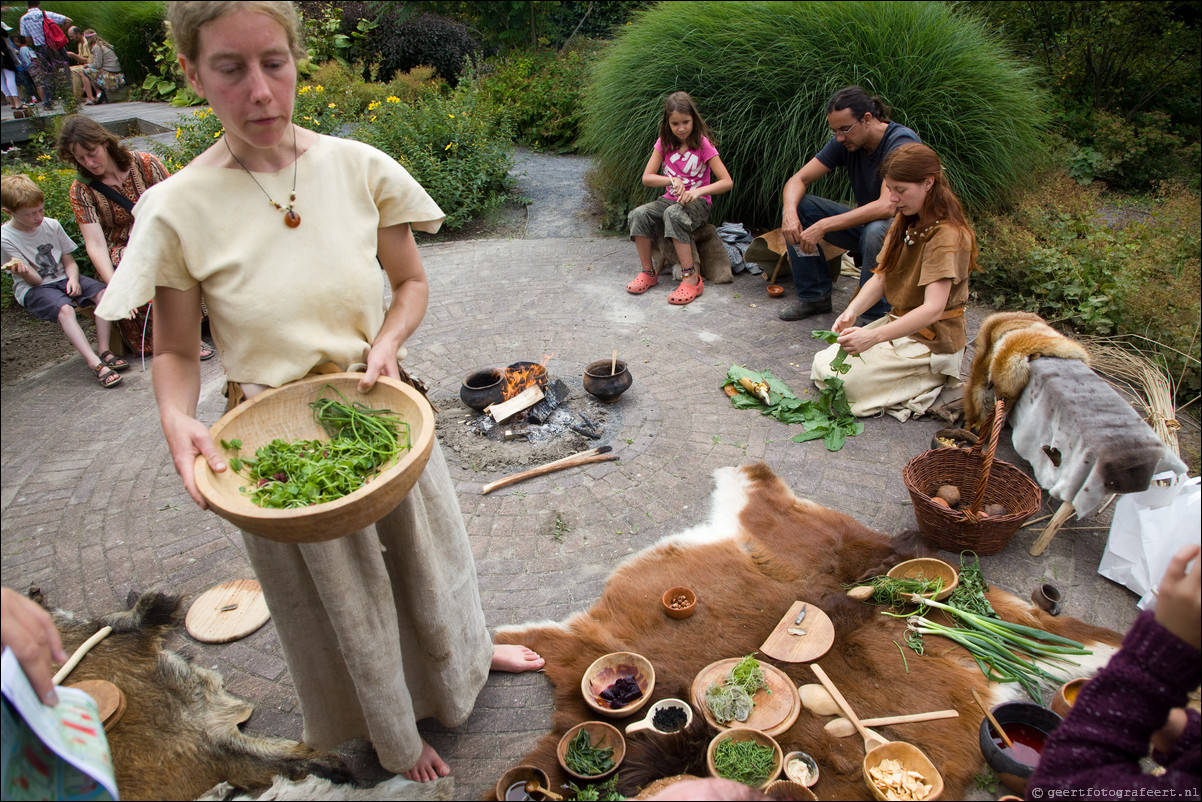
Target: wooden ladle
[
  {"x": 871, "y": 739},
  {"x": 532, "y": 787}
]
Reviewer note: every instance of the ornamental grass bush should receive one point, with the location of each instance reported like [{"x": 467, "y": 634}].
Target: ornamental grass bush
[{"x": 762, "y": 73}]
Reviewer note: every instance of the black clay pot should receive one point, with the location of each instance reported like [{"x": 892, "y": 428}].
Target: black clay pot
[
  {"x": 482, "y": 388},
  {"x": 534, "y": 370},
  {"x": 601, "y": 384},
  {"x": 1014, "y": 773}
]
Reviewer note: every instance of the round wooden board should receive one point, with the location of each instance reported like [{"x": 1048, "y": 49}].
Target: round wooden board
[
  {"x": 773, "y": 713},
  {"x": 210, "y": 620},
  {"x": 820, "y": 635},
  {"x": 110, "y": 701}
]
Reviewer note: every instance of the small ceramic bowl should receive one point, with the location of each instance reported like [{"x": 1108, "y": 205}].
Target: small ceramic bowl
[
  {"x": 809, "y": 776},
  {"x": 648, "y": 721},
  {"x": 787, "y": 789},
  {"x": 606, "y": 670},
  {"x": 516, "y": 778},
  {"x": 746, "y": 734},
  {"x": 1064, "y": 699},
  {"x": 680, "y": 602},
  {"x": 601, "y": 735},
  {"x": 776, "y": 290}
]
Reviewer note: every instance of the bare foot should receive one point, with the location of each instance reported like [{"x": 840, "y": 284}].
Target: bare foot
[
  {"x": 429, "y": 766},
  {"x": 515, "y": 659}
]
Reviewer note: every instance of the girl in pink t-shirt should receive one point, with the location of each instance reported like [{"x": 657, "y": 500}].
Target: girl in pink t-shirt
[{"x": 690, "y": 162}]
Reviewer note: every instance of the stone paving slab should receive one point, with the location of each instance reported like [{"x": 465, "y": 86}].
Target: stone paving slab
[{"x": 91, "y": 506}]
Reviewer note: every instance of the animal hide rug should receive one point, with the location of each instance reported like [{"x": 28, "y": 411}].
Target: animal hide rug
[{"x": 762, "y": 549}]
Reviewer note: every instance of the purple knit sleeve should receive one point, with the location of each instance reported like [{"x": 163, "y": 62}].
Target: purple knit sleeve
[{"x": 1110, "y": 726}]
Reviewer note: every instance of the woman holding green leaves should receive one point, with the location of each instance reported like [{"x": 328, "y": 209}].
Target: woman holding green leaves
[{"x": 904, "y": 360}]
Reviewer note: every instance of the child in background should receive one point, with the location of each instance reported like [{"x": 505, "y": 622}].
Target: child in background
[
  {"x": 690, "y": 162},
  {"x": 46, "y": 279}
]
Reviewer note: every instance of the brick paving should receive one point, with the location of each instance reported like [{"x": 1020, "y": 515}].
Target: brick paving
[{"x": 92, "y": 509}]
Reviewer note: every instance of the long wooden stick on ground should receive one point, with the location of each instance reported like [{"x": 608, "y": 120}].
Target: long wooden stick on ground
[{"x": 583, "y": 458}]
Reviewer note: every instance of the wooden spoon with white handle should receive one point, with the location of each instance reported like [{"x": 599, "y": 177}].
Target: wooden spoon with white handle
[{"x": 842, "y": 728}]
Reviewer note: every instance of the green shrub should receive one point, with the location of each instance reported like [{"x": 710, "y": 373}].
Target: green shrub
[
  {"x": 1070, "y": 254},
  {"x": 762, "y": 73},
  {"x": 191, "y": 139},
  {"x": 541, "y": 93},
  {"x": 1134, "y": 156},
  {"x": 344, "y": 86},
  {"x": 455, "y": 146},
  {"x": 428, "y": 39}
]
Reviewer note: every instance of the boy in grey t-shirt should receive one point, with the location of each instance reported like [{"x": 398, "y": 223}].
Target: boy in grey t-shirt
[{"x": 46, "y": 279}]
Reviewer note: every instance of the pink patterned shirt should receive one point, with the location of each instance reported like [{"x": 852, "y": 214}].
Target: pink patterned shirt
[{"x": 691, "y": 166}]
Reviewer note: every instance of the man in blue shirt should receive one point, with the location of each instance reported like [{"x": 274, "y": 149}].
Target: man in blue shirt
[{"x": 863, "y": 137}]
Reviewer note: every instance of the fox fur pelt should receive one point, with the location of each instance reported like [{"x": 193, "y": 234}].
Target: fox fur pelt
[{"x": 1006, "y": 344}]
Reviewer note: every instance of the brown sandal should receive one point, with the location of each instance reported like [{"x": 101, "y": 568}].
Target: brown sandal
[
  {"x": 113, "y": 361},
  {"x": 106, "y": 375}
]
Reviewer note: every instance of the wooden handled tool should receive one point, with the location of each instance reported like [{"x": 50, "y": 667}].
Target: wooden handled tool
[
  {"x": 583, "y": 458},
  {"x": 993, "y": 721},
  {"x": 842, "y": 728}
]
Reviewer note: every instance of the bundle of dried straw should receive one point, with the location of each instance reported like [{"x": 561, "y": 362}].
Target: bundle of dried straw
[{"x": 1144, "y": 377}]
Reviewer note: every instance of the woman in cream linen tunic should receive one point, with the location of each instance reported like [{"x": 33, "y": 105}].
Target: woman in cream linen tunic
[
  {"x": 382, "y": 627},
  {"x": 900, "y": 363}
]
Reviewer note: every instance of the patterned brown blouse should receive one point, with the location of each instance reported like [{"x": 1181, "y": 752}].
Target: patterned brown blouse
[{"x": 92, "y": 207}]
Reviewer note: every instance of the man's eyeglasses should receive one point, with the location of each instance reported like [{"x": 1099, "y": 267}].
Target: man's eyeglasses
[{"x": 845, "y": 130}]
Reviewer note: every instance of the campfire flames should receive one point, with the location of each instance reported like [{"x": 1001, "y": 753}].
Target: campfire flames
[{"x": 522, "y": 375}]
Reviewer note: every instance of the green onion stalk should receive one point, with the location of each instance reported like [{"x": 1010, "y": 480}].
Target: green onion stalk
[{"x": 1004, "y": 651}]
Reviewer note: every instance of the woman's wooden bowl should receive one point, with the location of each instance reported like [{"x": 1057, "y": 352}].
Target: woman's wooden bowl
[
  {"x": 284, "y": 413},
  {"x": 911, "y": 758},
  {"x": 676, "y": 608},
  {"x": 520, "y": 775},
  {"x": 606, "y": 670},
  {"x": 745, "y": 734},
  {"x": 601, "y": 735},
  {"x": 928, "y": 568},
  {"x": 776, "y": 290}
]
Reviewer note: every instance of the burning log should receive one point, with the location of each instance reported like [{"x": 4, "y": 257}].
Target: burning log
[
  {"x": 523, "y": 400},
  {"x": 555, "y": 394}
]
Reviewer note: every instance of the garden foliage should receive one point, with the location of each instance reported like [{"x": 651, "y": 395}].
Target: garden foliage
[
  {"x": 540, "y": 92},
  {"x": 389, "y": 38},
  {"x": 762, "y": 73},
  {"x": 1098, "y": 268}
]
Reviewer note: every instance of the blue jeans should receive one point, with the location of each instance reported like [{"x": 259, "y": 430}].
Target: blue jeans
[{"x": 811, "y": 277}]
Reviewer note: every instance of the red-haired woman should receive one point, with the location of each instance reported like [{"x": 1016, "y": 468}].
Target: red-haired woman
[{"x": 906, "y": 358}]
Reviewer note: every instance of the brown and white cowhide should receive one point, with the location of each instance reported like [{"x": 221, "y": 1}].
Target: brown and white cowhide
[
  {"x": 762, "y": 549},
  {"x": 180, "y": 733}
]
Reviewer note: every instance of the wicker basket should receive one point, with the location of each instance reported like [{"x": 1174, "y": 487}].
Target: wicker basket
[
  {"x": 979, "y": 476},
  {"x": 285, "y": 413}
]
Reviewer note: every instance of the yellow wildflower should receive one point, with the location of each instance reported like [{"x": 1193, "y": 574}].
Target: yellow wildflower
[
  {"x": 448, "y": 147},
  {"x": 375, "y": 104},
  {"x": 332, "y": 106},
  {"x": 304, "y": 90},
  {"x": 452, "y": 116},
  {"x": 319, "y": 88},
  {"x": 43, "y": 158},
  {"x": 393, "y": 99}
]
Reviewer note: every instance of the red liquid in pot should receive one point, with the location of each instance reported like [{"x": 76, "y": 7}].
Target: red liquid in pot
[{"x": 1028, "y": 743}]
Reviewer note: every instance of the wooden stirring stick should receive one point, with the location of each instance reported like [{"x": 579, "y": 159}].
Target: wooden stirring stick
[
  {"x": 613, "y": 366},
  {"x": 997, "y": 727}
]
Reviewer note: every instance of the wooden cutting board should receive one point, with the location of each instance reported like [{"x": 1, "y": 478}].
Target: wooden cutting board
[
  {"x": 227, "y": 612},
  {"x": 110, "y": 701},
  {"x": 820, "y": 634},
  {"x": 776, "y": 707}
]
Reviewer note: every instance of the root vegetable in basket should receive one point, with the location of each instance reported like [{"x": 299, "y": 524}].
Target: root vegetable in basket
[{"x": 302, "y": 473}]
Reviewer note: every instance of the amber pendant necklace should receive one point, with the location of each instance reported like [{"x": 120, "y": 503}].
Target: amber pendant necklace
[{"x": 291, "y": 218}]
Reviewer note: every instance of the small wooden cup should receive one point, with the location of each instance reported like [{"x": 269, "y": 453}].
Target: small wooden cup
[
  {"x": 928, "y": 568},
  {"x": 605, "y": 670},
  {"x": 689, "y": 607},
  {"x": 912, "y": 759},
  {"x": 523, "y": 775}
]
